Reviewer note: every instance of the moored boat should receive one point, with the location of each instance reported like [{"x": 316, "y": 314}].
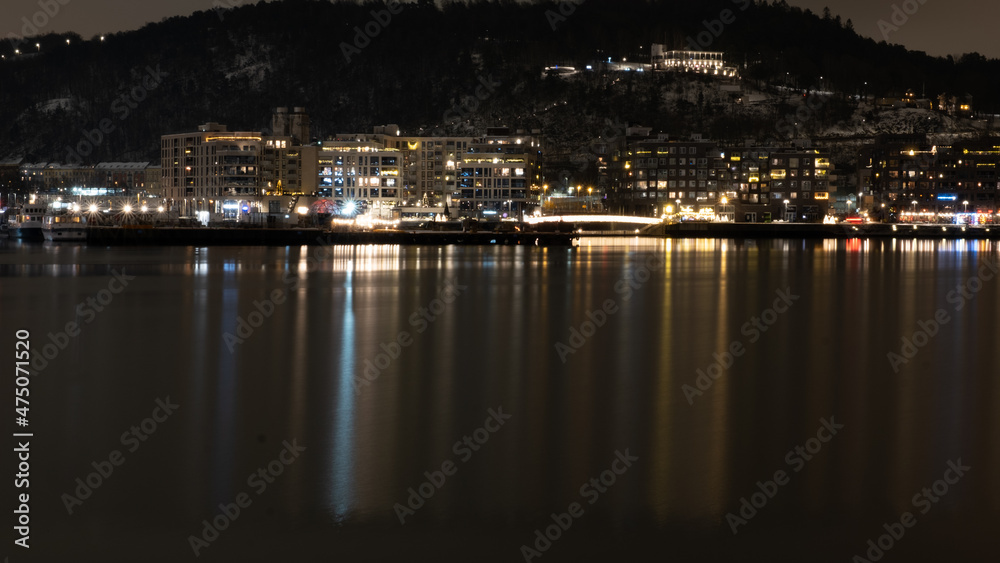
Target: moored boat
[
  {"x": 27, "y": 222},
  {"x": 64, "y": 225}
]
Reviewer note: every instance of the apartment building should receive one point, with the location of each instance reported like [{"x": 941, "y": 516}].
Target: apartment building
[
  {"x": 912, "y": 176},
  {"x": 499, "y": 174},
  {"x": 360, "y": 176},
  {"x": 657, "y": 175},
  {"x": 210, "y": 164}
]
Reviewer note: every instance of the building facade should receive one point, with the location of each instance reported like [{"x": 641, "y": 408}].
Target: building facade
[
  {"x": 913, "y": 179},
  {"x": 500, "y": 174},
  {"x": 703, "y": 62},
  {"x": 359, "y": 176},
  {"x": 105, "y": 178},
  {"x": 210, "y": 164},
  {"x": 695, "y": 178}
]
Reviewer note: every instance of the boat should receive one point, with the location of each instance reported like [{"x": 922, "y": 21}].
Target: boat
[
  {"x": 59, "y": 225},
  {"x": 27, "y": 222}
]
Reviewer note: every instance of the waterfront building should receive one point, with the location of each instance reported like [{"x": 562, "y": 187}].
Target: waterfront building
[
  {"x": 789, "y": 184},
  {"x": 500, "y": 174},
  {"x": 201, "y": 168},
  {"x": 698, "y": 179},
  {"x": 494, "y": 174},
  {"x": 288, "y": 163},
  {"x": 430, "y": 165},
  {"x": 658, "y": 175},
  {"x": 360, "y": 175},
  {"x": 104, "y": 178},
  {"x": 10, "y": 176},
  {"x": 123, "y": 178},
  {"x": 917, "y": 180}
]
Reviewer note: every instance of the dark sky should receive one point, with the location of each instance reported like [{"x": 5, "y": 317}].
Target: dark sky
[{"x": 939, "y": 27}]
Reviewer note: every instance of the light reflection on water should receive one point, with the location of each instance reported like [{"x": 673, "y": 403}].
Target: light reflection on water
[{"x": 295, "y": 377}]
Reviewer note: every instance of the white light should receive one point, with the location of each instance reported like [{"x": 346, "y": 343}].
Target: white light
[
  {"x": 160, "y": 209},
  {"x": 593, "y": 218},
  {"x": 127, "y": 209},
  {"x": 302, "y": 210},
  {"x": 144, "y": 209}
]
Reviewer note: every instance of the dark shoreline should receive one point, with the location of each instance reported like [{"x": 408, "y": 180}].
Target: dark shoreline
[
  {"x": 185, "y": 236},
  {"x": 109, "y": 236},
  {"x": 822, "y": 231}
]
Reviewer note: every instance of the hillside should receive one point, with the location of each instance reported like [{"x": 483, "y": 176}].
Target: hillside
[{"x": 421, "y": 68}]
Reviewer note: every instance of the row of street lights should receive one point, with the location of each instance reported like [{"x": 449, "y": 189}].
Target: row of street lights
[{"x": 915, "y": 202}]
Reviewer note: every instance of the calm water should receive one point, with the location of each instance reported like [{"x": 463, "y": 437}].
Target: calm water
[{"x": 490, "y": 342}]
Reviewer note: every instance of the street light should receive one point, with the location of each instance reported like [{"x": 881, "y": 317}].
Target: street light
[
  {"x": 914, "y": 203},
  {"x": 966, "y": 204}
]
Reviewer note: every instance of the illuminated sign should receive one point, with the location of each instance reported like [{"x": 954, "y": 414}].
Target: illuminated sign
[{"x": 947, "y": 197}]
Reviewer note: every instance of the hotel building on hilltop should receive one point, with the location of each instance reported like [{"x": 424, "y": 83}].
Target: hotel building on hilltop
[{"x": 703, "y": 62}]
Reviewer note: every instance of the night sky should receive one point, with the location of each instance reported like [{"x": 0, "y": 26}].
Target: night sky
[{"x": 938, "y": 27}]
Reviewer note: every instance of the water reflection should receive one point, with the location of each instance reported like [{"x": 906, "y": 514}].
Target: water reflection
[{"x": 494, "y": 346}]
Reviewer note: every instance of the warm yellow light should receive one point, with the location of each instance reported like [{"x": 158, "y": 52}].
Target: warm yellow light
[{"x": 303, "y": 210}]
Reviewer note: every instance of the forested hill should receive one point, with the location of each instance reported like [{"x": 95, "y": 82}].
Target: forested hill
[{"x": 410, "y": 67}]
